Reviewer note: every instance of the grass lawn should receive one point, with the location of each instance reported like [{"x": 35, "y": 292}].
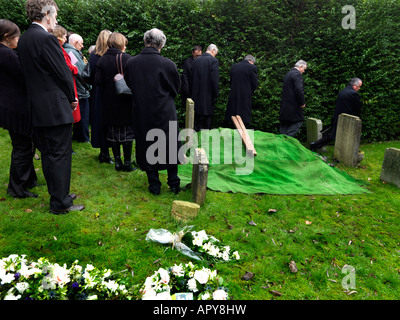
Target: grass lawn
[{"x": 321, "y": 234}]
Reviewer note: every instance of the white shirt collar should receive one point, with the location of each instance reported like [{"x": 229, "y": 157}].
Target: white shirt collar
[{"x": 40, "y": 25}]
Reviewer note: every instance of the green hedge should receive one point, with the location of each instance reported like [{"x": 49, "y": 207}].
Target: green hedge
[{"x": 277, "y": 33}]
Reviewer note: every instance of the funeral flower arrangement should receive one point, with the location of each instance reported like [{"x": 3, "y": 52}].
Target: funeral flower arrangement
[
  {"x": 21, "y": 279},
  {"x": 195, "y": 244},
  {"x": 184, "y": 282}
]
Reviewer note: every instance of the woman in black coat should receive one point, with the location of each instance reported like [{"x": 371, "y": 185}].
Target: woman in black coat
[
  {"x": 15, "y": 114},
  {"x": 117, "y": 109},
  {"x": 98, "y": 133}
]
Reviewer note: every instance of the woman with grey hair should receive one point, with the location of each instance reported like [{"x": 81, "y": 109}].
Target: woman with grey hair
[{"x": 155, "y": 82}]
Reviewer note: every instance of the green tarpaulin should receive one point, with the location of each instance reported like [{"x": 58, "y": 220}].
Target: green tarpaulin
[{"x": 282, "y": 166}]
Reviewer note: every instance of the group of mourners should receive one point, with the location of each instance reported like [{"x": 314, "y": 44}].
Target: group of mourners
[{"x": 47, "y": 88}]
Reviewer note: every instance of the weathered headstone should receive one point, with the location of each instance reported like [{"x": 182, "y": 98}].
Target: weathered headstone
[
  {"x": 314, "y": 127},
  {"x": 189, "y": 123},
  {"x": 199, "y": 176},
  {"x": 184, "y": 210},
  {"x": 391, "y": 166},
  {"x": 347, "y": 143}
]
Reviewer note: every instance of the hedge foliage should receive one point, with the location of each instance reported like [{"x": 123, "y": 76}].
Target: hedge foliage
[{"x": 277, "y": 33}]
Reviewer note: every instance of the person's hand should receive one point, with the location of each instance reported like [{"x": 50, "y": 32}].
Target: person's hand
[
  {"x": 74, "y": 104},
  {"x": 303, "y": 106}
]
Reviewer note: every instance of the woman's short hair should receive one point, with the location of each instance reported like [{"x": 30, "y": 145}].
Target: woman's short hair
[
  {"x": 35, "y": 9},
  {"x": 154, "y": 38},
  {"x": 8, "y": 29},
  {"x": 60, "y": 32},
  {"x": 117, "y": 40}
]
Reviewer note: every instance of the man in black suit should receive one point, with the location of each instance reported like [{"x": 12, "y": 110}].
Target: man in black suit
[
  {"x": 348, "y": 101},
  {"x": 291, "y": 116},
  {"x": 187, "y": 69},
  {"x": 51, "y": 97},
  {"x": 243, "y": 80},
  {"x": 204, "y": 86}
]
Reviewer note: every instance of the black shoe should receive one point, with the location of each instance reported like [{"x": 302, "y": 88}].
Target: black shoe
[
  {"x": 175, "y": 190},
  {"x": 105, "y": 159},
  {"x": 74, "y": 207},
  {"x": 73, "y": 196},
  {"x": 313, "y": 148},
  {"x": 118, "y": 164},
  {"x": 128, "y": 167},
  {"x": 155, "y": 192}
]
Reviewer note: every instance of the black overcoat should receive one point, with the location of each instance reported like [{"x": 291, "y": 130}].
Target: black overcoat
[
  {"x": 204, "y": 84},
  {"x": 155, "y": 82},
  {"x": 243, "y": 82},
  {"x": 117, "y": 109},
  {"x": 292, "y": 97},
  {"x": 348, "y": 101},
  {"x": 43, "y": 65},
  {"x": 14, "y": 108}
]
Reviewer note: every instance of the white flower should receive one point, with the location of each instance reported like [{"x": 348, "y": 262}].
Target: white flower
[
  {"x": 236, "y": 255},
  {"x": 164, "y": 275},
  {"x": 148, "y": 293},
  {"x": 22, "y": 286},
  {"x": 178, "y": 270},
  {"x": 7, "y": 278},
  {"x": 225, "y": 256},
  {"x": 60, "y": 275},
  {"x": 111, "y": 285},
  {"x": 192, "y": 286},
  {"x": 89, "y": 267},
  {"x": 163, "y": 296},
  {"x": 205, "y": 296},
  {"x": 203, "y": 235},
  {"x": 10, "y": 296},
  {"x": 220, "y": 295},
  {"x": 201, "y": 276}
]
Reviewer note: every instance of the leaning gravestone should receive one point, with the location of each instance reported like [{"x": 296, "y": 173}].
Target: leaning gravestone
[
  {"x": 391, "y": 166},
  {"x": 347, "y": 142},
  {"x": 314, "y": 127},
  {"x": 199, "y": 176}
]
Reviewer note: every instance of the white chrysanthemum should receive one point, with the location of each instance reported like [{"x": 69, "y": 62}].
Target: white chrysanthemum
[
  {"x": 192, "y": 286},
  {"x": 22, "y": 286},
  {"x": 178, "y": 270},
  {"x": 7, "y": 278},
  {"x": 201, "y": 276},
  {"x": 220, "y": 295}
]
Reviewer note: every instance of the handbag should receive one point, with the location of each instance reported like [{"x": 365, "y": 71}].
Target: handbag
[
  {"x": 85, "y": 75},
  {"x": 120, "y": 85}
]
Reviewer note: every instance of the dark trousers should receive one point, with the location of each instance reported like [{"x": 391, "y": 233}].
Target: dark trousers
[
  {"x": 81, "y": 128},
  {"x": 55, "y": 146},
  {"x": 290, "y": 128},
  {"x": 22, "y": 171},
  {"x": 202, "y": 122},
  {"x": 154, "y": 180}
]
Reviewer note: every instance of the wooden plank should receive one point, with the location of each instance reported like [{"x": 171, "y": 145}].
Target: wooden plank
[{"x": 238, "y": 122}]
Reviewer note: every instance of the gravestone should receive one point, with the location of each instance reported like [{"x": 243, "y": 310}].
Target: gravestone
[
  {"x": 348, "y": 137},
  {"x": 189, "y": 123},
  {"x": 184, "y": 210},
  {"x": 314, "y": 127},
  {"x": 391, "y": 166},
  {"x": 199, "y": 176}
]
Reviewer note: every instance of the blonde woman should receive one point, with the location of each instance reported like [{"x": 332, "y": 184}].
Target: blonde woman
[
  {"x": 98, "y": 129},
  {"x": 118, "y": 113}
]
